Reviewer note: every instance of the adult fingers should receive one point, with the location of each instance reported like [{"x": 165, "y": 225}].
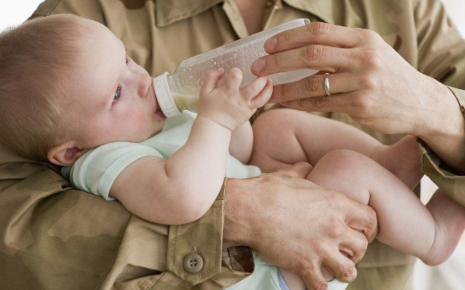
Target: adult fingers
[
  {"x": 334, "y": 103},
  {"x": 313, "y": 278},
  {"x": 342, "y": 267},
  {"x": 262, "y": 98},
  {"x": 317, "y": 57},
  {"x": 234, "y": 79},
  {"x": 299, "y": 170},
  {"x": 211, "y": 79},
  {"x": 254, "y": 88},
  {"x": 316, "y": 33},
  {"x": 354, "y": 245},
  {"x": 362, "y": 218},
  {"x": 314, "y": 86}
]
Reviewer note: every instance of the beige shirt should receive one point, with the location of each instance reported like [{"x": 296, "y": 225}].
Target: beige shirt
[{"x": 53, "y": 237}]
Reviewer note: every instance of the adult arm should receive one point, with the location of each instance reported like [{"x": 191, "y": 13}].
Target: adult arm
[{"x": 298, "y": 225}]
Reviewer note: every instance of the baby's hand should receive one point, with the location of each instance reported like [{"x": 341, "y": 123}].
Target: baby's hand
[{"x": 228, "y": 105}]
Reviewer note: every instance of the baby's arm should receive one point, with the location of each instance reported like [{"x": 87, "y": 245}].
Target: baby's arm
[{"x": 181, "y": 189}]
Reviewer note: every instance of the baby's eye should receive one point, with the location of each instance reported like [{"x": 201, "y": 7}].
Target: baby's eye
[
  {"x": 127, "y": 60},
  {"x": 117, "y": 94}
]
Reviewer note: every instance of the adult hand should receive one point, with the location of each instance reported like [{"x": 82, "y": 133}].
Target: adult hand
[
  {"x": 298, "y": 225},
  {"x": 368, "y": 79}
]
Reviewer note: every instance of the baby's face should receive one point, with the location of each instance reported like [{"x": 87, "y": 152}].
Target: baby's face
[{"x": 112, "y": 97}]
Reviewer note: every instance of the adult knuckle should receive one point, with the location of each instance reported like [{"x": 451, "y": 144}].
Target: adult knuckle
[
  {"x": 338, "y": 198},
  {"x": 362, "y": 103},
  {"x": 335, "y": 198},
  {"x": 370, "y": 35},
  {"x": 305, "y": 267},
  {"x": 312, "y": 85},
  {"x": 284, "y": 38},
  {"x": 349, "y": 273},
  {"x": 317, "y": 103},
  {"x": 372, "y": 59},
  {"x": 372, "y": 219},
  {"x": 283, "y": 91},
  {"x": 319, "y": 28},
  {"x": 322, "y": 285},
  {"x": 313, "y": 53},
  {"x": 360, "y": 246},
  {"x": 347, "y": 270},
  {"x": 335, "y": 228},
  {"x": 363, "y": 246},
  {"x": 272, "y": 61},
  {"x": 358, "y": 256},
  {"x": 368, "y": 82}
]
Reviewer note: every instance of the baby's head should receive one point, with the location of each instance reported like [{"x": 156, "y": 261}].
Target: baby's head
[{"x": 67, "y": 85}]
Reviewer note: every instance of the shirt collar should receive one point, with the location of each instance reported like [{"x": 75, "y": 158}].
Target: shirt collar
[{"x": 170, "y": 11}]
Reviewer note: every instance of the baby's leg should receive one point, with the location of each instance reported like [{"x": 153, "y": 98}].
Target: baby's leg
[
  {"x": 404, "y": 223},
  {"x": 284, "y": 137}
]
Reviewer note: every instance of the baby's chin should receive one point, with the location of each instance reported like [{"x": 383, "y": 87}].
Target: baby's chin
[{"x": 158, "y": 130}]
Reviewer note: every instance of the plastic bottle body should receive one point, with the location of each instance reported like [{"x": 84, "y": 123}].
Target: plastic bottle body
[{"x": 185, "y": 83}]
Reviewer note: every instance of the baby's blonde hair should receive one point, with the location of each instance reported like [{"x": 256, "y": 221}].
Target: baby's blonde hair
[{"x": 34, "y": 60}]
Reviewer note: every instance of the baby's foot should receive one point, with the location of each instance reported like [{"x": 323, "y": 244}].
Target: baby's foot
[
  {"x": 449, "y": 223},
  {"x": 403, "y": 159}
]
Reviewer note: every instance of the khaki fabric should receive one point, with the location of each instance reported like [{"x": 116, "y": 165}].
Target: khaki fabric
[{"x": 49, "y": 235}]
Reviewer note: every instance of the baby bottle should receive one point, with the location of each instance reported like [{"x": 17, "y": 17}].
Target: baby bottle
[{"x": 180, "y": 90}]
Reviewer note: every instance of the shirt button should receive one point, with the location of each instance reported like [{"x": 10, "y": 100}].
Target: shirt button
[{"x": 193, "y": 263}]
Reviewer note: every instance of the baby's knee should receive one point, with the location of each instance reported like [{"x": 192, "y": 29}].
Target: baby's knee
[
  {"x": 276, "y": 122},
  {"x": 345, "y": 171},
  {"x": 347, "y": 160}
]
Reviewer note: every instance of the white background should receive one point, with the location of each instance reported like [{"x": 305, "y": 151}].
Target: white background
[{"x": 449, "y": 276}]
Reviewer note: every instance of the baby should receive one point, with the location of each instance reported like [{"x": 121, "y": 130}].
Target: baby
[{"x": 70, "y": 94}]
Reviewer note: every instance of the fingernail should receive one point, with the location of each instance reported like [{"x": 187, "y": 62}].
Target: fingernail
[
  {"x": 258, "y": 65},
  {"x": 270, "y": 44}
]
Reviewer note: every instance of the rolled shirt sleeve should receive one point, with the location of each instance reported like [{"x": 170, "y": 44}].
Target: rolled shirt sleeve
[{"x": 438, "y": 171}]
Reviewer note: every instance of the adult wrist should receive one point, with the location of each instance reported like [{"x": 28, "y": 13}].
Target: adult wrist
[
  {"x": 443, "y": 118},
  {"x": 445, "y": 130},
  {"x": 239, "y": 212}
]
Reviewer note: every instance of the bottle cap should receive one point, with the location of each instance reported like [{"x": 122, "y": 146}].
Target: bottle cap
[{"x": 164, "y": 96}]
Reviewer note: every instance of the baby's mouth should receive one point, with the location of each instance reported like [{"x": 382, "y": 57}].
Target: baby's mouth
[{"x": 159, "y": 113}]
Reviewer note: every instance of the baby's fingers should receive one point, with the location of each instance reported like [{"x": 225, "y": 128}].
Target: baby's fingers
[
  {"x": 262, "y": 98},
  {"x": 211, "y": 79},
  {"x": 233, "y": 80},
  {"x": 254, "y": 88}
]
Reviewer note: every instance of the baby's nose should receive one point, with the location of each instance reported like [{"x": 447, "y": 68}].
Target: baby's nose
[{"x": 145, "y": 82}]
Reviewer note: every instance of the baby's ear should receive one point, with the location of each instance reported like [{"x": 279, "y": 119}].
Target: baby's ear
[{"x": 65, "y": 154}]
